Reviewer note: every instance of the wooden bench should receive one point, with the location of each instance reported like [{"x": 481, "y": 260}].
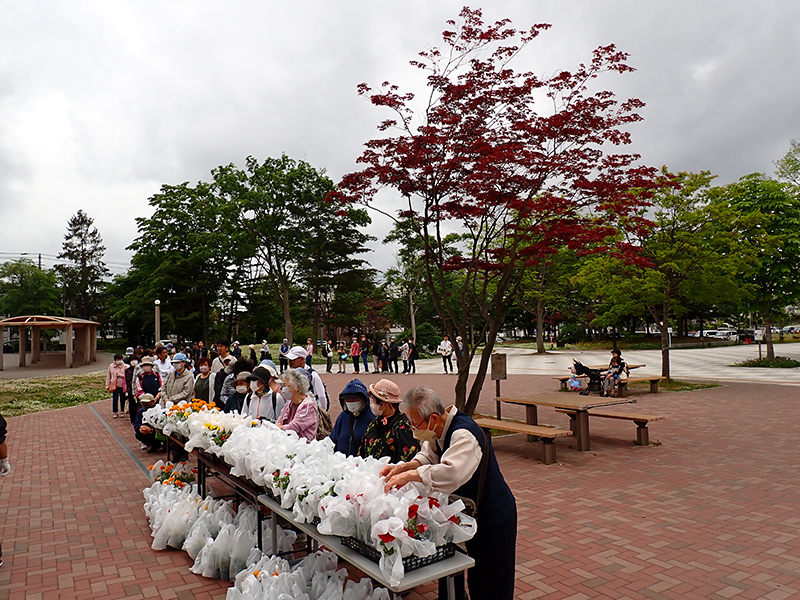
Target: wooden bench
[
  {"x": 622, "y": 384},
  {"x": 564, "y": 380},
  {"x": 546, "y": 435},
  {"x": 641, "y": 420}
]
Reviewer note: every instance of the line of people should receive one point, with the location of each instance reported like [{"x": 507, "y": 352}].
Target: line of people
[{"x": 385, "y": 355}]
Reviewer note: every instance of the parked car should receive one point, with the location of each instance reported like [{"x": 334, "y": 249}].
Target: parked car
[
  {"x": 747, "y": 336},
  {"x": 725, "y": 334}
]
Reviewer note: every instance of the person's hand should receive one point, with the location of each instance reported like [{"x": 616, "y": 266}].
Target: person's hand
[
  {"x": 280, "y": 425},
  {"x": 145, "y": 429},
  {"x": 400, "y": 479},
  {"x": 389, "y": 470}
]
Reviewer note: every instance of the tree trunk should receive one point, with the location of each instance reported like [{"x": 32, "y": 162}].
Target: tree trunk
[
  {"x": 614, "y": 334},
  {"x": 470, "y": 403},
  {"x": 287, "y": 316},
  {"x": 540, "y": 326},
  {"x": 665, "y": 338},
  {"x": 768, "y": 335},
  {"x": 205, "y": 324},
  {"x": 411, "y": 311}
]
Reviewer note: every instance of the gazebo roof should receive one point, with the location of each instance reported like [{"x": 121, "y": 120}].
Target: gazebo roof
[{"x": 45, "y": 321}]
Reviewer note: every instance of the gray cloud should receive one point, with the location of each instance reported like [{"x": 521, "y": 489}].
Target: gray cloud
[{"x": 101, "y": 103}]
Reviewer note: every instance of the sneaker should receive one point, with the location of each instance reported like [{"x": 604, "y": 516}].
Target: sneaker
[
  {"x": 144, "y": 447},
  {"x": 1, "y": 563}
]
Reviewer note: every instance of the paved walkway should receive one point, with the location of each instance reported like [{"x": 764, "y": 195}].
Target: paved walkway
[
  {"x": 712, "y": 512},
  {"x": 686, "y": 363}
]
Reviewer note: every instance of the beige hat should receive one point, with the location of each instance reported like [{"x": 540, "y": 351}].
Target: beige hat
[
  {"x": 148, "y": 360},
  {"x": 386, "y": 390},
  {"x": 146, "y": 398}
]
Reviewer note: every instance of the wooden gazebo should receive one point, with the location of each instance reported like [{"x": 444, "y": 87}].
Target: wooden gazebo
[{"x": 82, "y": 352}]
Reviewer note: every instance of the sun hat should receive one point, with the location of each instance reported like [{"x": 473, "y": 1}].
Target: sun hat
[
  {"x": 262, "y": 374},
  {"x": 296, "y": 352},
  {"x": 270, "y": 365},
  {"x": 243, "y": 376},
  {"x": 179, "y": 357},
  {"x": 129, "y": 350},
  {"x": 148, "y": 360},
  {"x": 144, "y": 398},
  {"x": 386, "y": 390}
]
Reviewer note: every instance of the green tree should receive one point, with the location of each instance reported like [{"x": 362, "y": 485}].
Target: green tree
[
  {"x": 185, "y": 256},
  {"x": 294, "y": 236},
  {"x": 25, "y": 289},
  {"x": 84, "y": 272},
  {"x": 788, "y": 167},
  {"x": 773, "y": 231},
  {"x": 692, "y": 254},
  {"x": 547, "y": 285}
]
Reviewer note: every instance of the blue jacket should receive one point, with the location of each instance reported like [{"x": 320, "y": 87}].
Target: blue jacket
[{"x": 349, "y": 429}]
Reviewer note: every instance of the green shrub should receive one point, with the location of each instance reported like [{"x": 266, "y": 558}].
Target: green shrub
[
  {"x": 572, "y": 333},
  {"x": 779, "y": 362}
]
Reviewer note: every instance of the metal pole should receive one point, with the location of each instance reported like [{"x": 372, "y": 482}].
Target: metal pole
[{"x": 158, "y": 320}]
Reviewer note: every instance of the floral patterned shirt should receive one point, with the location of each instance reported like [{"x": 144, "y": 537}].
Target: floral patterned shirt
[{"x": 390, "y": 437}]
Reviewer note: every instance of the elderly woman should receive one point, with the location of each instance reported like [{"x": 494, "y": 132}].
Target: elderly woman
[
  {"x": 389, "y": 433},
  {"x": 179, "y": 384},
  {"x": 457, "y": 458},
  {"x": 299, "y": 414}
]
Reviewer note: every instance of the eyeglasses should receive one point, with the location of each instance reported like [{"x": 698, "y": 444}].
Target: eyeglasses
[{"x": 418, "y": 425}]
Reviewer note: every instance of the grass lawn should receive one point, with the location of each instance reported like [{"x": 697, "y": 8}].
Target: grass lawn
[
  {"x": 673, "y": 385},
  {"x": 23, "y": 396}
]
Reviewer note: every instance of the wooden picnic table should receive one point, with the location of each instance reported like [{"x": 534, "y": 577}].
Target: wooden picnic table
[{"x": 575, "y": 402}]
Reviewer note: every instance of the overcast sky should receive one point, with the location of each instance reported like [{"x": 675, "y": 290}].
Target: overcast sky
[{"x": 103, "y": 102}]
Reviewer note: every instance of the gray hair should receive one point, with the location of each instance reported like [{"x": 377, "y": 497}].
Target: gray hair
[
  {"x": 424, "y": 400},
  {"x": 295, "y": 379}
]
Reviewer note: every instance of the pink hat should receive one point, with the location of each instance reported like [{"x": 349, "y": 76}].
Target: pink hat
[{"x": 386, "y": 390}]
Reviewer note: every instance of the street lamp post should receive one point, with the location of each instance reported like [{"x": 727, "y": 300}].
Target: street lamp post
[{"x": 158, "y": 320}]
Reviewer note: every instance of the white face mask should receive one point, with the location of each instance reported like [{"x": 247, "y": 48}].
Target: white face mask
[
  {"x": 424, "y": 435},
  {"x": 119, "y": 363},
  {"x": 286, "y": 392},
  {"x": 204, "y": 369},
  {"x": 134, "y": 363},
  {"x": 178, "y": 366},
  {"x": 242, "y": 389},
  {"x": 254, "y": 386},
  {"x": 354, "y": 406},
  {"x": 375, "y": 408}
]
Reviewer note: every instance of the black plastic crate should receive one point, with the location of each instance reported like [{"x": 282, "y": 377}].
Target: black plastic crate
[{"x": 409, "y": 562}]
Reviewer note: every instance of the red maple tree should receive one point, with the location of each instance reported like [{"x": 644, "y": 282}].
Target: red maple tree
[{"x": 513, "y": 182}]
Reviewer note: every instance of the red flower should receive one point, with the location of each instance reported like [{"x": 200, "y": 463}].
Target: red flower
[
  {"x": 386, "y": 538},
  {"x": 412, "y": 511},
  {"x": 410, "y": 532},
  {"x": 454, "y": 519},
  {"x": 422, "y": 528},
  {"x": 433, "y": 502}
]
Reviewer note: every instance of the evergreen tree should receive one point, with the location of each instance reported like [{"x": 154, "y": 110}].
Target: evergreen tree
[{"x": 82, "y": 276}]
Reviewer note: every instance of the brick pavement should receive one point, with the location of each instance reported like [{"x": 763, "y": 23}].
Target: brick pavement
[{"x": 711, "y": 513}]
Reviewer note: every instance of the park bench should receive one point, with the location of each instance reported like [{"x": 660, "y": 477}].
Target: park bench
[
  {"x": 543, "y": 433},
  {"x": 641, "y": 421},
  {"x": 622, "y": 385}
]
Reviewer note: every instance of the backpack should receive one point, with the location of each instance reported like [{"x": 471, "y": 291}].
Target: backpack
[
  {"x": 324, "y": 421},
  {"x": 325, "y": 350}
]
